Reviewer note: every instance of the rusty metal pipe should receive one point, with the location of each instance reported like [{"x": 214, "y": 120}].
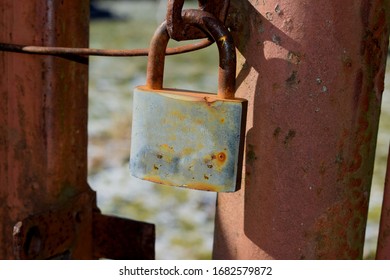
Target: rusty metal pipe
[
  {"x": 313, "y": 76},
  {"x": 48, "y": 210},
  {"x": 223, "y": 39},
  {"x": 43, "y": 130}
]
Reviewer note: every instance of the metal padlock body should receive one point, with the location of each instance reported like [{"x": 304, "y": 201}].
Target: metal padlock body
[{"x": 189, "y": 139}]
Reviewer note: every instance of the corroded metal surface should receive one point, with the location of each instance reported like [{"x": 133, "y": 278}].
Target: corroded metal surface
[
  {"x": 190, "y": 139},
  {"x": 383, "y": 249},
  {"x": 179, "y": 29},
  {"x": 52, "y": 233},
  {"x": 48, "y": 211},
  {"x": 223, "y": 39},
  {"x": 55, "y": 233},
  {"x": 43, "y": 123},
  {"x": 313, "y": 77}
]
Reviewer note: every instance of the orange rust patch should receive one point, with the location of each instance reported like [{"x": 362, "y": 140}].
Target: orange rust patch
[
  {"x": 221, "y": 157},
  {"x": 187, "y": 151},
  {"x": 194, "y": 185},
  {"x": 204, "y": 187},
  {"x": 166, "y": 152},
  {"x": 216, "y": 161},
  {"x": 180, "y": 116},
  {"x": 156, "y": 179},
  {"x": 166, "y": 147}
]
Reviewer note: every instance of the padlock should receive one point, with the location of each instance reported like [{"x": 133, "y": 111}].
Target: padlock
[{"x": 184, "y": 138}]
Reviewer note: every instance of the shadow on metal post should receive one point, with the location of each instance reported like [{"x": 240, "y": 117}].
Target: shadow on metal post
[{"x": 313, "y": 76}]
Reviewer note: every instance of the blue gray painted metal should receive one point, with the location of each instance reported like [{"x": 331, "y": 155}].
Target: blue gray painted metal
[{"x": 187, "y": 139}]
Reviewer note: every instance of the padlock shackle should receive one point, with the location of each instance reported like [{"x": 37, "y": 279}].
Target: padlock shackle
[{"x": 210, "y": 25}]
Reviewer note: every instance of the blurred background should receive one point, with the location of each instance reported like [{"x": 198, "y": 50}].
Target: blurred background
[{"x": 184, "y": 218}]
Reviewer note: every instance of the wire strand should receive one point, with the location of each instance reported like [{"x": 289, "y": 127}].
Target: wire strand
[{"x": 100, "y": 52}]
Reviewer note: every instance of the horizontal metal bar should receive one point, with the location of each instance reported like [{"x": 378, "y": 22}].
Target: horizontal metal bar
[{"x": 99, "y": 52}]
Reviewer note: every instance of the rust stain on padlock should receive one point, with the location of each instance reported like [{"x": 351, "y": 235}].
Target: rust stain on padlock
[{"x": 194, "y": 185}]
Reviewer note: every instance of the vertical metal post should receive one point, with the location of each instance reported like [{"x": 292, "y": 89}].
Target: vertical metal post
[
  {"x": 43, "y": 122},
  {"x": 47, "y": 209},
  {"x": 383, "y": 248},
  {"x": 313, "y": 74}
]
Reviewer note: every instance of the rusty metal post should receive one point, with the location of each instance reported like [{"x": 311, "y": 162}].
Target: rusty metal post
[
  {"x": 313, "y": 74},
  {"x": 47, "y": 208},
  {"x": 43, "y": 137},
  {"x": 383, "y": 248}
]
